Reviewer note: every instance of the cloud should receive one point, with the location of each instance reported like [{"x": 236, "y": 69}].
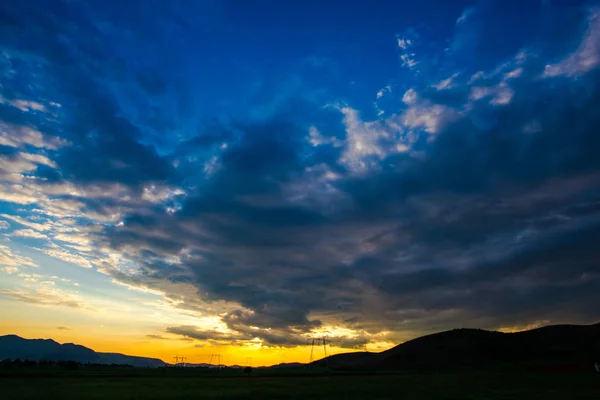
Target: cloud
[
  {"x": 242, "y": 336},
  {"x": 40, "y": 227},
  {"x": 500, "y": 94},
  {"x": 316, "y": 139},
  {"x": 10, "y": 259},
  {"x": 45, "y": 295},
  {"x": 446, "y": 83},
  {"x": 367, "y": 143},
  {"x": 157, "y": 337},
  {"x": 63, "y": 328},
  {"x": 24, "y": 105},
  {"x": 67, "y": 256},
  {"x": 30, "y": 277},
  {"x": 28, "y": 233},
  {"x": 4, "y": 225},
  {"x": 432, "y": 118},
  {"x": 403, "y": 43},
  {"x": 587, "y": 55},
  {"x": 23, "y": 163},
  {"x": 9, "y": 270},
  {"x": 408, "y": 60},
  {"x": 21, "y": 136}
]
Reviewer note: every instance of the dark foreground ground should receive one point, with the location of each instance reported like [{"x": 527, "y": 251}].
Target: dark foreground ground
[{"x": 463, "y": 385}]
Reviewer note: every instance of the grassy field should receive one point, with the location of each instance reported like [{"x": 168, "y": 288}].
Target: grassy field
[{"x": 455, "y": 386}]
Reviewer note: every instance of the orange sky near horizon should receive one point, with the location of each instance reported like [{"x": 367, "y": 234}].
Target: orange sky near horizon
[
  {"x": 167, "y": 349},
  {"x": 66, "y": 325}
]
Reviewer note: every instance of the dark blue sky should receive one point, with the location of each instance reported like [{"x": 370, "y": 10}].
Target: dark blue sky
[{"x": 284, "y": 167}]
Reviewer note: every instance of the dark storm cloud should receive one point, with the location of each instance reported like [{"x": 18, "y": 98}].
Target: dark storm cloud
[{"x": 487, "y": 223}]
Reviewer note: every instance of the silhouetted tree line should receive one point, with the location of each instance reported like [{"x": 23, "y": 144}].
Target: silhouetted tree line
[{"x": 65, "y": 364}]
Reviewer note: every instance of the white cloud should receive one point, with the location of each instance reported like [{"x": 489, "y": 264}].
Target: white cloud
[
  {"x": 403, "y": 43},
  {"x": 475, "y": 77},
  {"x": 365, "y": 140},
  {"x": 29, "y": 233},
  {"x": 159, "y": 194},
  {"x": 424, "y": 114},
  {"x": 66, "y": 256},
  {"x": 30, "y": 277},
  {"x": 316, "y": 139},
  {"x": 18, "y": 136},
  {"x": 9, "y": 270},
  {"x": 515, "y": 73},
  {"x": 408, "y": 60},
  {"x": 4, "y": 225},
  {"x": 23, "y": 163},
  {"x": 500, "y": 94},
  {"x": 24, "y": 105},
  {"x": 10, "y": 259},
  {"x": 27, "y": 223},
  {"x": 38, "y": 159},
  {"x": 410, "y": 96},
  {"x": 44, "y": 294},
  {"x": 81, "y": 240},
  {"x": 587, "y": 55},
  {"x": 503, "y": 97},
  {"x": 446, "y": 83},
  {"x": 432, "y": 118},
  {"x": 381, "y": 92},
  {"x": 16, "y": 194},
  {"x": 16, "y": 165}
]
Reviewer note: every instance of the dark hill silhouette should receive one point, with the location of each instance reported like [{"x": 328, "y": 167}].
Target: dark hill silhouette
[
  {"x": 345, "y": 360},
  {"x": 575, "y": 345},
  {"x": 13, "y": 347},
  {"x": 286, "y": 365}
]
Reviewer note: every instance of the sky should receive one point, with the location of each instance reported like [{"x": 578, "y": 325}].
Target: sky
[{"x": 236, "y": 177}]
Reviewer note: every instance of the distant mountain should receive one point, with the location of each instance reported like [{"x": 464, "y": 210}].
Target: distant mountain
[
  {"x": 13, "y": 346},
  {"x": 550, "y": 345}
]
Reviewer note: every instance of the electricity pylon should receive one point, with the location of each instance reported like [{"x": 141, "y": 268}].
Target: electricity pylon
[{"x": 318, "y": 341}]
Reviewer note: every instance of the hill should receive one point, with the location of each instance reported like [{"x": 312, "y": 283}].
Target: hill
[
  {"x": 13, "y": 347},
  {"x": 567, "y": 345}
]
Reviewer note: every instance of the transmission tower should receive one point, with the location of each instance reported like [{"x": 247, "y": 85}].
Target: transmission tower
[
  {"x": 215, "y": 357},
  {"x": 318, "y": 341},
  {"x": 179, "y": 360}
]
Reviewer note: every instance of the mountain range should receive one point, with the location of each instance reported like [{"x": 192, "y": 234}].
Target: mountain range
[{"x": 13, "y": 347}]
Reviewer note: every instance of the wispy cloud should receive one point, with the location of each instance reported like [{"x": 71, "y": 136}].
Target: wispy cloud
[
  {"x": 45, "y": 295},
  {"x": 587, "y": 55}
]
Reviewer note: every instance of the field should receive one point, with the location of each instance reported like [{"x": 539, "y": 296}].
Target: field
[{"x": 180, "y": 385}]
